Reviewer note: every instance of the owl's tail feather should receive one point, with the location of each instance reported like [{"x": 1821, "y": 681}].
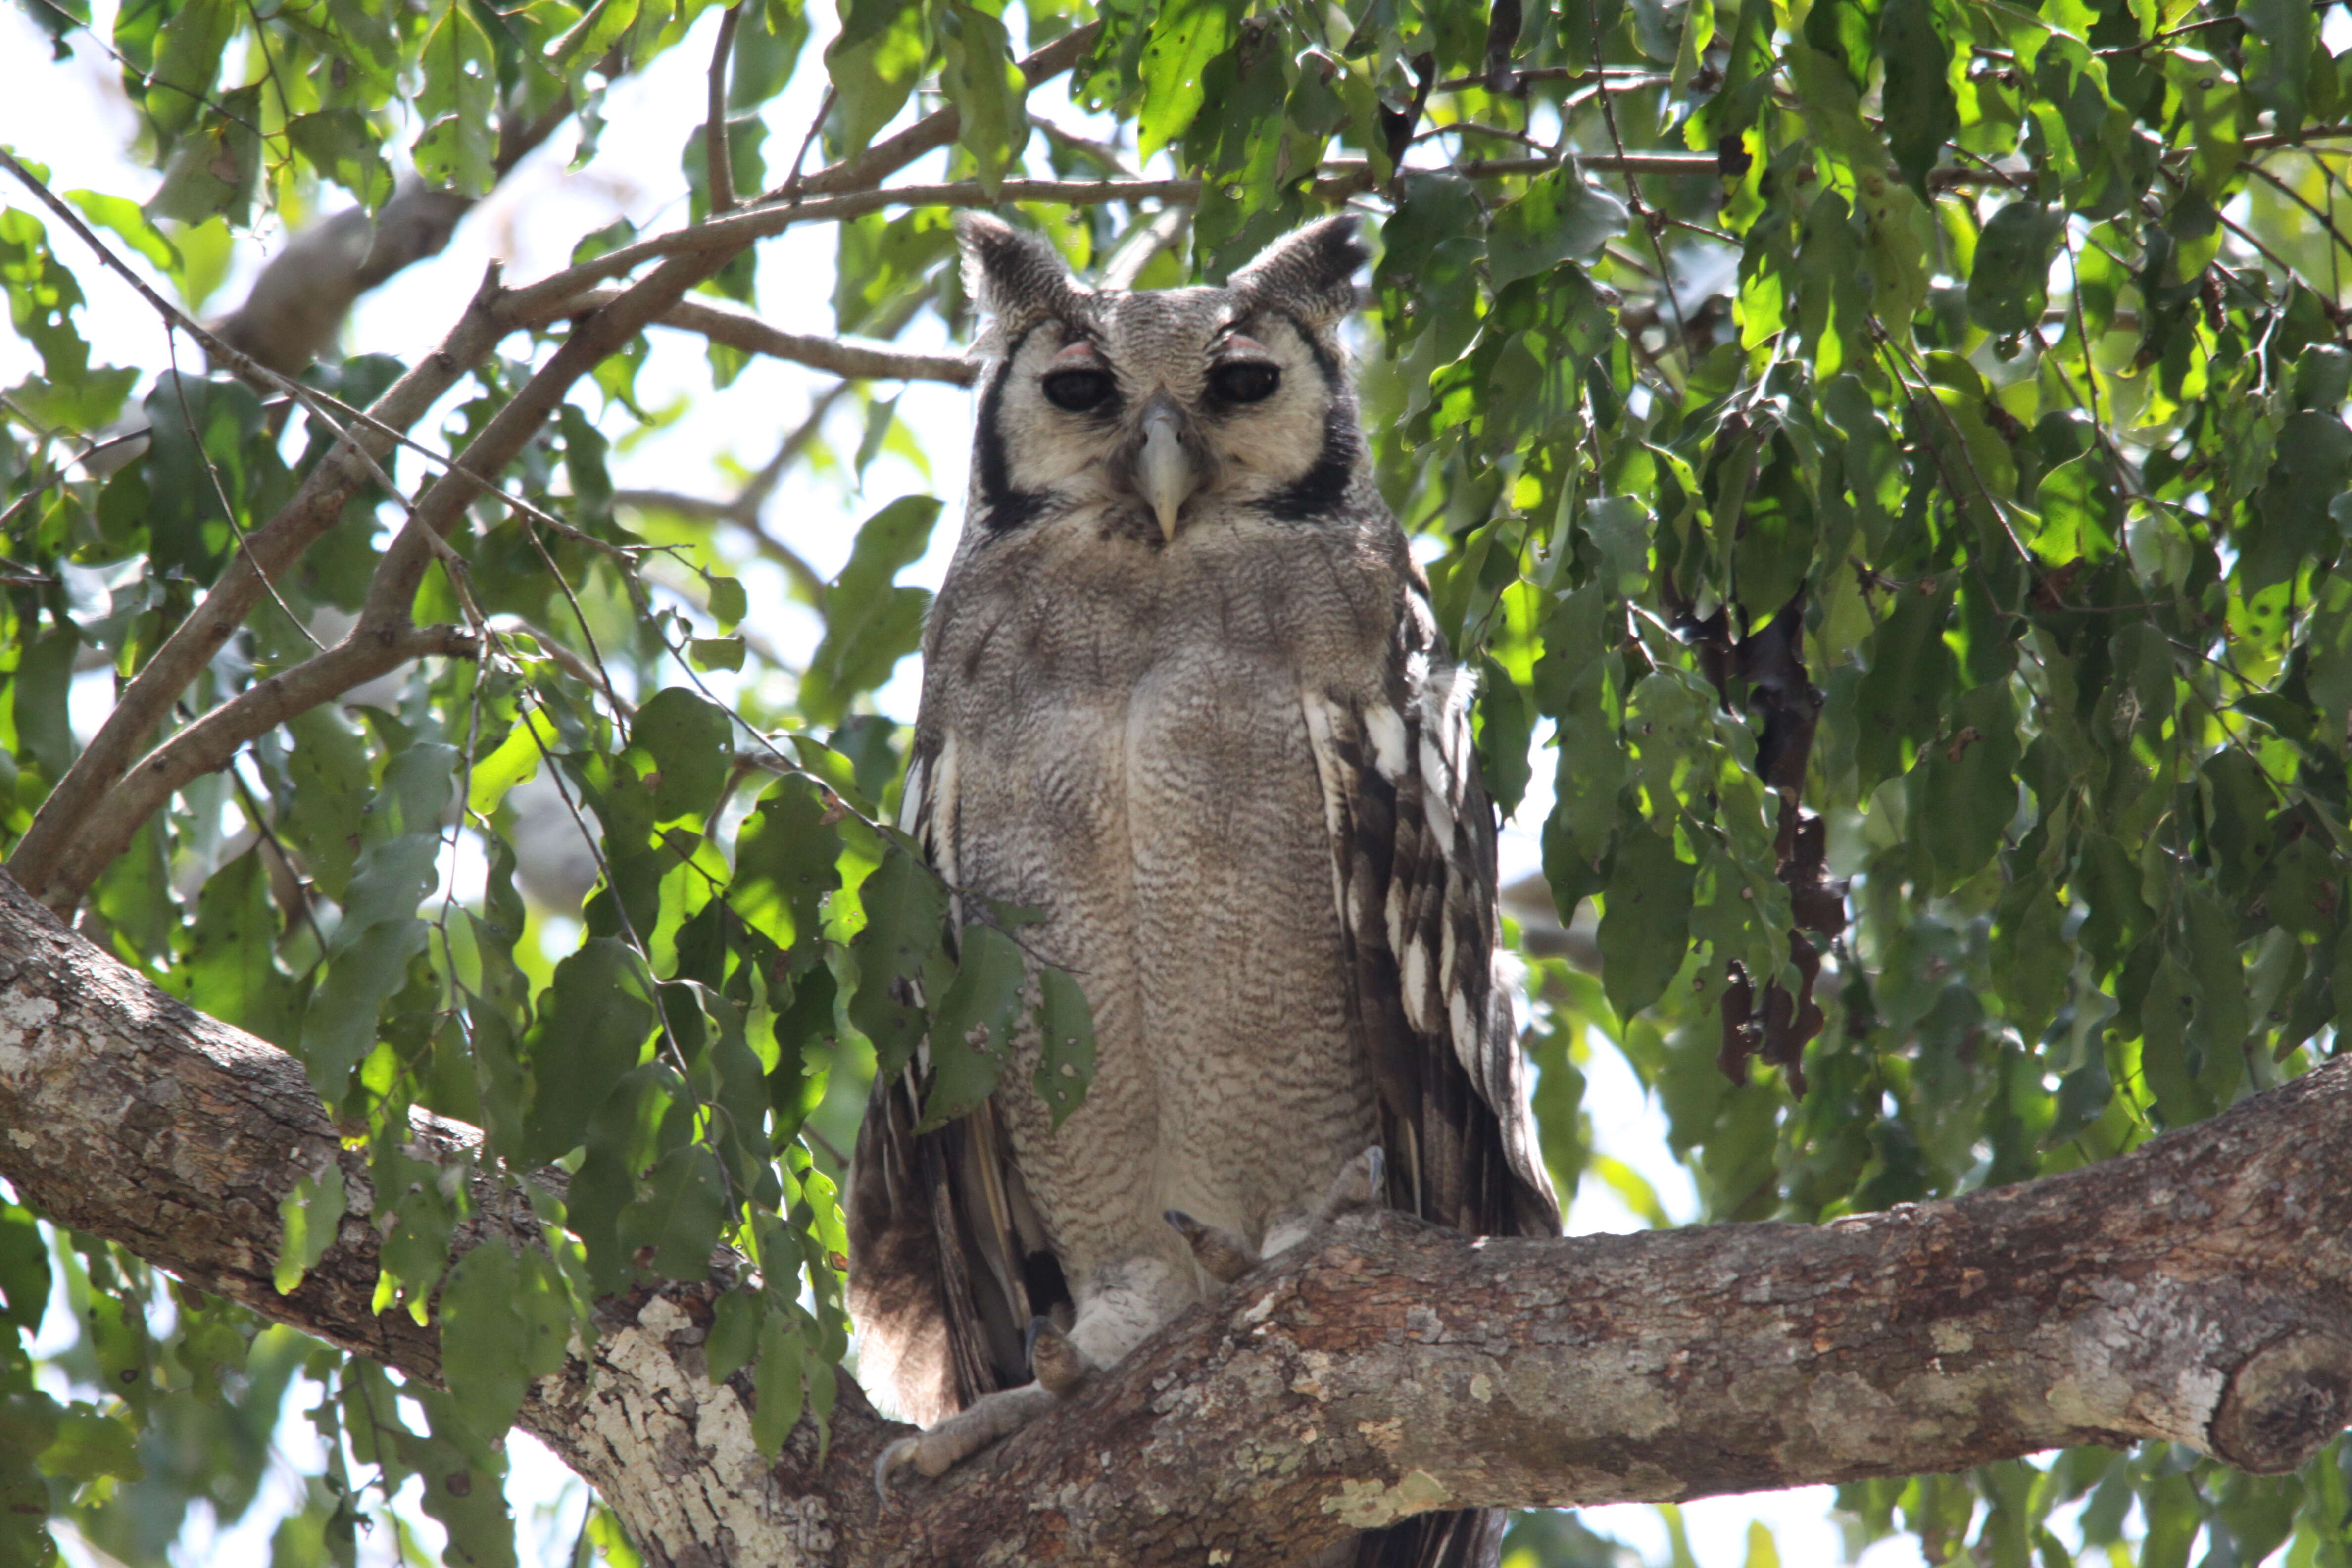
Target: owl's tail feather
[{"x": 1469, "y": 1538}]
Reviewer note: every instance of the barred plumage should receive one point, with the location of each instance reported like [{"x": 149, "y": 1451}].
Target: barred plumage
[{"x": 1183, "y": 692}]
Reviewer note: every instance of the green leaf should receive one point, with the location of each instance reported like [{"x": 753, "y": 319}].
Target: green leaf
[
  {"x": 2081, "y": 516},
  {"x": 1185, "y": 36},
  {"x": 2164, "y": 1016},
  {"x": 785, "y": 862},
  {"x": 2030, "y": 957},
  {"x": 23, "y": 1269},
  {"x": 1963, "y": 790},
  {"x": 214, "y": 167},
  {"x": 459, "y": 103},
  {"x": 875, "y": 64},
  {"x": 1899, "y": 702},
  {"x": 309, "y": 1218},
  {"x": 716, "y": 653},
  {"x": 583, "y": 466},
  {"x": 1562, "y": 217},
  {"x": 777, "y": 1384},
  {"x": 513, "y": 761},
  {"x": 905, "y": 912},
  {"x": 590, "y": 1031},
  {"x": 989, "y": 90},
  {"x": 728, "y": 603},
  {"x": 1066, "y": 1043},
  {"x": 735, "y": 1324},
  {"x": 2313, "y": 466},
  {"x": 679, "y": 1212},
  {"x": 329, "y": 773},
  {"x": 367, "y": 957},
  {"x": 43, "y": 679},
  {"x": 691, "y": 741},
  {"x": 484, "y": 1339},
  {"x": 2008, "y": 286},
  {"x": 188, "y": 59},
  {"x": 130, "y": 224},
  {"x": 971, "y": 1025},
  {"x": 2223, "y": 1019},
  {"x": 2279, "y": 54},
  {"x": 343, "y": 147},
  {"x": 870, "y": 625},
  {"x": 1505, "y": 732},
  {"x": 88, "y": 1445},
  {"x": 225, "y": 964},
  {"x": 1645, "y": 918}
]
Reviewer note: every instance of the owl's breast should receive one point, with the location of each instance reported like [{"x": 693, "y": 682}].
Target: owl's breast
[{"x": 1136, "y": 762}]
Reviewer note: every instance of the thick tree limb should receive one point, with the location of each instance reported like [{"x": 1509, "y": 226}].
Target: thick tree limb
[{"x": 2198, "y": 1290}]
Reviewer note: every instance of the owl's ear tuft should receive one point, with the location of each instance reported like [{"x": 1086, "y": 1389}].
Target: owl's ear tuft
[
  {"x": 1312, "y": 270},
  {"x": 1013, "y": 277}
]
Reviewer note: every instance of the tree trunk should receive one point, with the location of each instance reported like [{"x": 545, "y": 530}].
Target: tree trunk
[{"x": 2198, "y": 1290}]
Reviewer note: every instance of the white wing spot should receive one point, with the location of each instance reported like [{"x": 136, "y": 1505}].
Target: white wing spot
[
  {"x": 1416, "y": 984},
  {"x": 1386, "y": 732}
]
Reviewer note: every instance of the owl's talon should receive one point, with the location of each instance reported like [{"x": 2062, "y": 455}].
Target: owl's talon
[
  {"x": 1058, "y": 1363},
  {"x": 894, "y": 1457},
  {"x": 1224, "y": 1256}
]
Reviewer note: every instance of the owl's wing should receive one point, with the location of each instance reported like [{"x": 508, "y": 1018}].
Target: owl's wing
[
  {"x": 1414, "y": 871},
  {"x": 946, "y": 1243}
]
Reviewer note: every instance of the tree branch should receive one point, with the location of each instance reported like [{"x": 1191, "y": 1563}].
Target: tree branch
[
  {"x": 315, "y": 507},
  {"x": 931, "y": 133},
  {"x": 298, "y": 303},
  {"x": 319, "y": 502},
  {"x": 856, "y": 359},
  {"x": 2198, "y": 1289},
  {"x": 718, "y": 150},
  {"x": 212, "y": 742}
]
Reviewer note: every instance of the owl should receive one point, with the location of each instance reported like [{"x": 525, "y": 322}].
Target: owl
[{"x": 1183, "y": 694}]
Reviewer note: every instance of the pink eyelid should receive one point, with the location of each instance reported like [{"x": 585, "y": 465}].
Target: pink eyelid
[
  {"x": 1241, "y": 344},
  {"x": 1079, "y": 352}
]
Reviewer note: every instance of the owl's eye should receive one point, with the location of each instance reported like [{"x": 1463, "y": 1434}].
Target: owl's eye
[
  {"x": 1246, "y": 381},
  {"x": 1079, "y": 391}
]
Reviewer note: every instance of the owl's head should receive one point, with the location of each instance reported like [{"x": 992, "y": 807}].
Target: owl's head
[{"x": 1152, "y": 410}]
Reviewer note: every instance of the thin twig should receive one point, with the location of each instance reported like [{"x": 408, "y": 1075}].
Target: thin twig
[
  {"x": 212, "y": 472},
  {"x": 1134, "y": 253},
  {"x": 1547, "y": 73},
  {"x": 1640, "y": 211},
  {"x": 569, "y": 661},
  {"x": 718, "y": 154},
  {"x": 2291, "y": 194},
  {"x": 790, "y": 189},
  {"x": 1479, "y": 128},
  {"x": 1102, "y": 153}
]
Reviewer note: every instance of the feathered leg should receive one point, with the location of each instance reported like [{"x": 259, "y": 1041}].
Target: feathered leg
[{"x": 1061, "y": 1369}]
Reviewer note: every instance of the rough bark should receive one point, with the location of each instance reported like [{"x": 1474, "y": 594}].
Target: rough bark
[{"x": 2198, "y": 1290}]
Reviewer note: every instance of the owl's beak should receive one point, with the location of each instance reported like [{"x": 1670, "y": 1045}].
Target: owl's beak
[{"x": 1163, "y": 469}]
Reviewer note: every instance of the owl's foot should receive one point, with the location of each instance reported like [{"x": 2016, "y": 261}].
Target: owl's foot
[
  {"x": 1223, "y": 1255},
  {"x": 1360, "y": 1184},
  {"x": 1056, "y": 1363},
  {"x": 1061, "y": 1369}
]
